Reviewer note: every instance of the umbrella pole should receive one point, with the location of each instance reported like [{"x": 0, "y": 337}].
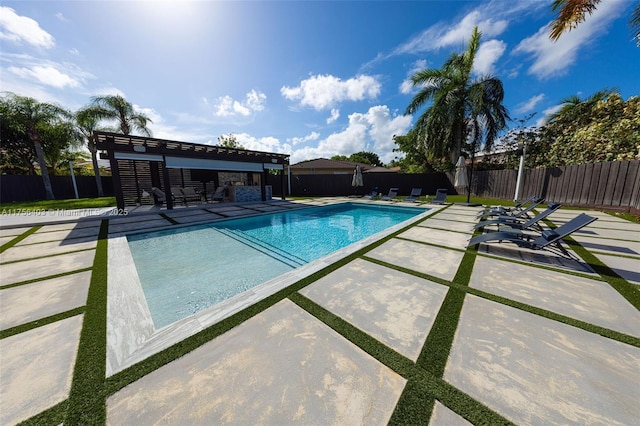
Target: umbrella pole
[{"x": 473, "y": 155}]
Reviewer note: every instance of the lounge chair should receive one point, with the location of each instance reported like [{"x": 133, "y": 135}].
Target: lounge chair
[
  {"x": 393, "y": 192},
  {"x": 177, "y": 195},
  {"x": 158, "y": 195},
  {"x": 509, "y": 210},
  {"x": 219, "y": 194},
  {"x": 517, "y": 214},
  {"x": 190, "y": 194},
  {"x": 375, "y": 193},
  {"x": 517, "y": 223},
  {"x": 440, "y": 198},
  {"x": 549, "y": 240},
  {"x": 415, "y": 194}
]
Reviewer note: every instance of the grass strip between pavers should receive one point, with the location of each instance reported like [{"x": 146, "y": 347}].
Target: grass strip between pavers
[
  {"x": 611, "y": 334},
  {"x": 169, "y": 218},
  {"x": 44, "y": 256},
  {"x": 48, "y": 277},
  {"x": 422, "y": 388},
  {"x": 18, "y": 238},
  {"x": 87, "y": 399},
  {"x": 622, "y": 286},
  {"x": 40, "y": 322},
  {"x": 52, "y": 416}
]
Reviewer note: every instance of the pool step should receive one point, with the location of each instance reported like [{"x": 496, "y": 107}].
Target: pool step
[{"x": 263, "y": 247}]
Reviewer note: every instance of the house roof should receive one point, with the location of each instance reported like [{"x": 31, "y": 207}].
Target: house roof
[
  {"x": 383, "y": 170},
  {"x": 325, "y": 163}
]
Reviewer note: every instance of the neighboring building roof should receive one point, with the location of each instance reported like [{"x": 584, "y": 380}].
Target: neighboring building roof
[
  {"x": 383, "y": 170},
  {"x": 325, "y": 163}
]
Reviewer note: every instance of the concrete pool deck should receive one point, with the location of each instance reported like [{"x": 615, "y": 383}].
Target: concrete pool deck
[{"x": 538, "y": 338}]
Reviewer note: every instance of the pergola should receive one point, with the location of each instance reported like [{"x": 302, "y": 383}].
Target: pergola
[{"x": 139, "y": 163}]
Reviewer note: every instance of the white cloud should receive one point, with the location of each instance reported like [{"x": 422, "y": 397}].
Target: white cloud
[
  {"x": 371, "y": 131},
  {"x": 406, "y": 86},
  {"x": 46, "y": 75},
  {"x": 530, "y": 104},
  {"x": 325, "y": 91},
  {"x": 335, "y": 114},
  {"x": 554, "y": 58},
  {"x": 226, "y": 106},
  {"x": 546, "y": 113},
  {"x": 444, "y": 35},
  {"x": 310, "y": 137},
  {"x": 21, "y": 29},
  {"x": 488, "y": 54},
  {"x": 61, "y": 17}
]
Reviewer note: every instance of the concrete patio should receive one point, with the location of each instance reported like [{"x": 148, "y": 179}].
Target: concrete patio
[{"x": 539, "y": 339}]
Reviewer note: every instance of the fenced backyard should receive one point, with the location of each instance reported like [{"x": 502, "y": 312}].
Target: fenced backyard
[{"x": 612, "y": 185}]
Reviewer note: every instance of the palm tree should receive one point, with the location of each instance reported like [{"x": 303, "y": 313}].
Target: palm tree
[
  {"x": 34, "y": 118},
  {"x": 86, "y": 124},
  {"x": 574, "y": 107},
  {"x": 117, "y": 108},
  {"x": 457, "y": 102},
  {"x": 572, "y": 12}
]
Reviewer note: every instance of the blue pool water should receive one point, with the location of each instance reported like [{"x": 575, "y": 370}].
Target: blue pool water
[{"x": 187, "y": 269}]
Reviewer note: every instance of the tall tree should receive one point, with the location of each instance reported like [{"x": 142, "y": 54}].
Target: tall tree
[
  {"x": 366, "y": 157},
  {"x": 229, "y": 141},
  {"x": 572, "y": 12},
  {"x": 457, "y": 103},
  {"x": 86, "y": 124},
  {"x": 118, "y": 109},
  {"x": 33, "y": 118}
]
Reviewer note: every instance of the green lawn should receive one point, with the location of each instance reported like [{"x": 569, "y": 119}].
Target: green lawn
[{"x": 81, "y": 203}]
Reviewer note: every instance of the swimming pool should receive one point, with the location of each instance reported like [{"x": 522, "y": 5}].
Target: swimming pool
[{"x": 185, "y": 270}]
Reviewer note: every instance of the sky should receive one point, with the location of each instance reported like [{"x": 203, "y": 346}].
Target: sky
[{"x": 304, "y": 78}]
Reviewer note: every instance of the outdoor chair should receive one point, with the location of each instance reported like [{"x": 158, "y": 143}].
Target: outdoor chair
[
  {"x": 517, "y": 214},
  {"x": 508, "y": 210},
  {"x": 549, "y": 240},
  {"x": 393, "y": 192},
  {"x": 517, "y": 223},
  {"x": 440, "y": 198},
  {"x": 373, "y": 194},
  {"x": 158, "y": 195},
  {"x": 190, "y": 194},
  {"x": 415, "y": 194},
  {"x": 218, "y": 195}
]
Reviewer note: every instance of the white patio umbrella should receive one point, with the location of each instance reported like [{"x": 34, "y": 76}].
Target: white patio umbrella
[
  {"x": 356, "y": 181},
  {"x": 357, "y": 177},
  {"x": 461, "y": 180}
]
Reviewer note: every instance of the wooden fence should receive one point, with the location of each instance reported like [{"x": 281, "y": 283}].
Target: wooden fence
[
  {"x": 612, "y": 185},
  {"x": 31, "y": 188}
]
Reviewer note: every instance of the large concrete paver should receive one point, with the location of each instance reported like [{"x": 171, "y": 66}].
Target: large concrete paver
[
  {"x": 533, "y": 370},
  {"x": 614, "y": 247},
  {"x": 282, "y": 366},
  {"x": 626, "y": 267},
  {"x": 437, "y": 236},
  {"x": 397, "y": 309},
  {"x": 45, "y": 267},
  {"x": 13, "y": 232},
  {"x": 435, "y": 222},
  {"x": 442, "y": 416},
  {"x": 431, "y": 260},
  {"x": 588, "y": 300},
  {"x": 37, "y": 367},
  {"x": 30, "y": 302},
  {"x": 47, "y": 249},
  {"x": 43, "y": 235}
]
